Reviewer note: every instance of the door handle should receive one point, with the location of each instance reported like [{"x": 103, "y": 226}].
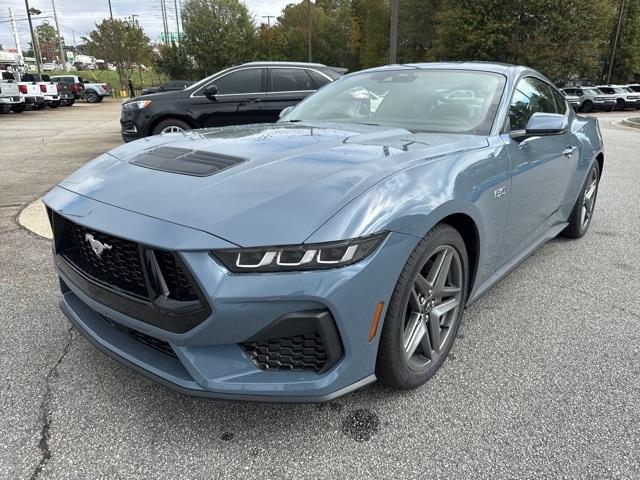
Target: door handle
[{"x": 567, "y": 152}]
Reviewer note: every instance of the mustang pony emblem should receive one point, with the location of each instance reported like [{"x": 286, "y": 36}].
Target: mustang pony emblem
[{"x": 97, "y": 246}]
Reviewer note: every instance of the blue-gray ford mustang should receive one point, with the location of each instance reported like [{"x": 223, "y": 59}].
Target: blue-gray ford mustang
[{"x": 301, "y": 260}]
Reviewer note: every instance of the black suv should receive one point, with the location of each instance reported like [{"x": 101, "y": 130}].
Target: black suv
[{"x": 251, "y": 93}]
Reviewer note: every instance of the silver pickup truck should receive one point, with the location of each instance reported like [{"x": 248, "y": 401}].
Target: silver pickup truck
[
  {"x": 591, "y": 99},
  {"x": 10, "y": 98}
]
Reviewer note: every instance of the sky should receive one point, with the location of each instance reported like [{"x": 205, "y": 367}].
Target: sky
[{"x": 78, "y": 17}]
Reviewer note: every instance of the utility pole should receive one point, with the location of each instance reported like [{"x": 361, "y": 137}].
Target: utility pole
[
  {"x": 615, "y": 41},
  {"x": 14, "y": 29},
  {"x": 165, "y": 24},
  {"x": 34, "y": 42},
  {"x": 175, "y": 6},
  {"x": 393, "y": 37},
  {"x": 63, "y": 58},
  {"x": 269, "y": 17},
  {"x": 309, "y": 24},
  {"x": 110, "y": 10}
]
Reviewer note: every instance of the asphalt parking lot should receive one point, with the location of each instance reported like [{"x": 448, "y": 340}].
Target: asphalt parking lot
[{"x": 544, "y": 381}]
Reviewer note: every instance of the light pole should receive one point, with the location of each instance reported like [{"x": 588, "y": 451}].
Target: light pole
[
  {"x": 393, "y": 36},
  {"x": 309, "y": 23},
  {"x": 63, "y": 58},
  {"x": 615, "y": 41},
  {"x": 34, "y": 41},
  {"x": 269, "y": 17}
]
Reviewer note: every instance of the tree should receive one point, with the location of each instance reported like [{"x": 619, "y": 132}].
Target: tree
[
  {"x": 173, "y": 61},
  {"x": 217, "y": 33},
  {"x": 626, "y": 65},
  {"x": 561, "y": 39},
  {"x": 48, "y": 41},
  {"x": 416, "y": 29},
  {"x": 122, "y": 43}
]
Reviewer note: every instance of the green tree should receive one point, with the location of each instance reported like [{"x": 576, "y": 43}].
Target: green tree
[
  {"x": 173, "y": 61},
  {"x": 218, "y": 33},
  {"x": 561, "y": 39},
  {"x": 626, "y": 64},
  {"x": 122, "y": 43},
  {"x": 48, "y": 41},
  {"x": 416, "y": 29}
]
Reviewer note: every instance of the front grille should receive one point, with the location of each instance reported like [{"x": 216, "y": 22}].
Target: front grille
[
  {"x": 119, "y": 266},
  {"x": 300, "y": 352},
  {"x": 151, "y": 342},
  {"x": 179, "y": 286}
]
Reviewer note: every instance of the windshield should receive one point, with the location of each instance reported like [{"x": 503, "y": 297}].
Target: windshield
[
  {"x": 591, "y": 91},
  {"x": 457, "y": 101}
]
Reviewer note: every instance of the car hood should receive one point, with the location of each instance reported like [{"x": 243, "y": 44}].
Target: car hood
[{"x": 276, "y": 183}]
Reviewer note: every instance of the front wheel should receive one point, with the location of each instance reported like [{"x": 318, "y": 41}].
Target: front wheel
[
  {"x": 91, "y": 97},
  {"x": 582, "y": 212},
  {"x": 171, "y": 125},
  {"x": 587, "y": 106},
  {"x": 620, "y": 104},
  {"x": 425, "y": 310}
]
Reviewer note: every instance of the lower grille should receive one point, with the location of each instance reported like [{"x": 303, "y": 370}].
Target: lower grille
[
  {"x": 300, "y": 352},
  {"x": 151, "y": 342}
]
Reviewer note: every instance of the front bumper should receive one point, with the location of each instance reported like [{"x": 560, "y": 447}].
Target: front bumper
[
  {"x": 209, "y": 358},
  {"x": 133, "y": 125}
]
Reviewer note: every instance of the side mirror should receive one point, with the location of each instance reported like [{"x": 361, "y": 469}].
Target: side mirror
[
  {"x": 210, "y": 91},
  {"x": 284, "y": 112},
  {"x": 541, "y": 124}
]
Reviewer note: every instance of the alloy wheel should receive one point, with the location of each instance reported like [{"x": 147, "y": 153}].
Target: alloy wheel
[
  {"x": 432, "y": 306},
  {"x": 172, "y": 129},
  {"x": 589, "y": 199}
]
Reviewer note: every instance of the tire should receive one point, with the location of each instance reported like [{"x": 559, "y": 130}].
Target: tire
[
  {"x": 62, "y": 103},
  {"x": 18, "y": 108},
  {"x": 578, "y": 225},
  {"x": 91, "y": 97},
  {"x": 100, "y": 99},
  {"x": 4, "y": 109},
  {"x": 39, "y": 106},
  {"x": 71, "y": 102},
  {"x": 398, "y": 364},
  {"x": 53, "y": 105},
  {"x": 608, "y": 109},
  {"x": 587, "y": 106},
  {"x": 620, "y": 104},
  {"x": 165, "y": 125}
]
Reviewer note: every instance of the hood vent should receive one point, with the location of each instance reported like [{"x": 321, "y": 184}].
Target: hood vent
[{"x": 186, "y": 161}]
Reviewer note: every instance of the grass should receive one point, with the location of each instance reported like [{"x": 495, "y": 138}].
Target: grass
[{"x": 149, "y": 78}]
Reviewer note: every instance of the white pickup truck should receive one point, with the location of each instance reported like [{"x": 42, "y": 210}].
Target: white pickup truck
[
  {"x": 31, "y": 92},
  {"x": 10, "y": 98},
  {"x": 48, "y": 88}
]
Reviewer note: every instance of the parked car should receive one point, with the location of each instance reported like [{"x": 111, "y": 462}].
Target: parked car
[
  {"x": 635, "y": 87},
  {"x": 95, "y": 92},
  {"x": 250, "y": 93},
  {"x": 169, "y": 86},
  {"x": 10, "y": 98},
  {"x": 573, "y": 100},
  {"x": 48, "y": 88},
  {"x": 49, "y": 67},
  {"x": 590, "y": 98},
  {"x": 76, "y": 83},
  {"x": 301, "y": 260},
  {"x": 625, "y": 97},
  {"x": 31, "y": 92}
]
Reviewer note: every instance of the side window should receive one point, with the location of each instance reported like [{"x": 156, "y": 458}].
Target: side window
[
  {"x": 561, "y": 104},
  {"x": 290, "y": 80},
  {"x": 531, "y": 96},
  {"x": 248, "y": 80},
  {"x": 7, "y": 76},
  {"x": 318, "y": 79}
]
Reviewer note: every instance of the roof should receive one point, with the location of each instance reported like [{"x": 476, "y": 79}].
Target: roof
[{"x": 293, "y": 64}]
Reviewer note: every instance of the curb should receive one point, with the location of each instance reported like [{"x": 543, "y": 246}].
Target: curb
[
  {"x": 34, "y": 218},
  {"x": 631, "y": 122}
]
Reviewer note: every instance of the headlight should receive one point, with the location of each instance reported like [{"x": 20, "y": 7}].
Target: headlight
[
  {"x": 288, "y": 258},
  {"x": 138, "y": 105}
]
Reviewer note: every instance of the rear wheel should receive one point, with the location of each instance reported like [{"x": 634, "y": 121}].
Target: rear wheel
[
  {"x": 171, "y": 125},
  {"x": 425, "y": 310},
  {"x": 587, "y": 106},
  {"x": 53, "y": 105},
  {"x": 91, "y": 97},
  {"x": 71, "y": 102},
  {"x": 4, "y": 109},
  {"x": 39, "y": 106},
  {"x": 620, "y": 105},
  {"x": 18, "y": 108},
  {"x": 582, "y": 212}
]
